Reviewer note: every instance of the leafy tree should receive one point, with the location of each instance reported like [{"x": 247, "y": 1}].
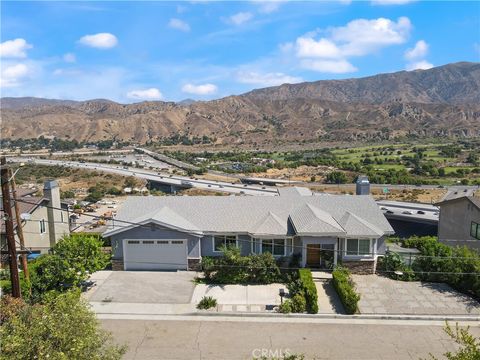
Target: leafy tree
[
  {"x": 336, "y": 177},
  {"x": 73, "y": 258},
  {"x": 62, "y": 328}
]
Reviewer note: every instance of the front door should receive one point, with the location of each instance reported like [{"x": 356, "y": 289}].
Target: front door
[{"x": 313, "y": 255}]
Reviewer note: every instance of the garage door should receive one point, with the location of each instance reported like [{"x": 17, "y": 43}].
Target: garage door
[{"x": 155, "y": 254}]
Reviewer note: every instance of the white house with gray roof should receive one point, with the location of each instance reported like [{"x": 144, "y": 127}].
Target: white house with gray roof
[{"x": 175, "y": 232}]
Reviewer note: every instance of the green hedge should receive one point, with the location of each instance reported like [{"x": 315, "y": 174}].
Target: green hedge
[
  {"x": 346, "y": 290},
  {"x": 309, "y": 290},
  {"x": 457, "y": 266}
]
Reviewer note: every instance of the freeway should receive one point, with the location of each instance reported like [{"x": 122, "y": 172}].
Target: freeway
[
  {"x": 411, "y": 212},
  {"x": 162, "y": 178}
]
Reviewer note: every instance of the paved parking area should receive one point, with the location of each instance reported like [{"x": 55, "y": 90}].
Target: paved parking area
[
  {"x": 381, "y": 295},
  {"x": 152, "y": 287}
]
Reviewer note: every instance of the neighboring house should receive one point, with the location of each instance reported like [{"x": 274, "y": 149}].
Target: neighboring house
[
  {"x": 42, "y": 226},
  {"x": 175, "y": 232},
  {"x": 459, "y": 222}
]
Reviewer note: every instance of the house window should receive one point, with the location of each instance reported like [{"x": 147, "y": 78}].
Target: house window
[
  {"x": 42, "y": 226},
  {"x": 219, "y": 241},
  {"x": 475, "y": 230},
  {"x": 357, "y": 247},
  {"x": 277, "y": 247}
]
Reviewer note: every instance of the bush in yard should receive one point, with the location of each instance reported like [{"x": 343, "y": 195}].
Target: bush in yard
[
  {"x": 309, "y": 290},
  {"x": 233, "y": 268},
  {"x": 437, "y": 262},
  {"x": 263, "y": 269},
  {"x": 286, "y": 307},
  {"x": 345, "y": 288},
  {"x": 206, "y": 303},
  {"x": 299, "y": 304},
  {"x": 73, "y": 258},
  {"x": 62, "y": 328}
]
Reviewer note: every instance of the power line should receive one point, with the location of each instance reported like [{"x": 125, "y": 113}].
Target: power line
[{"x": 253, "y": 240}]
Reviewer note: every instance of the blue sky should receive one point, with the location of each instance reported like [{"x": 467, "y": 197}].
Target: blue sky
[{"x": 135, "y": 51}]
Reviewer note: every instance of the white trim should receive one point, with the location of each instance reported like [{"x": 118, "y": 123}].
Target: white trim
[
  {"x": 285, "y": 253},
  {"x": 370, "y": 254},
  {"x": 224, "y": 241}
]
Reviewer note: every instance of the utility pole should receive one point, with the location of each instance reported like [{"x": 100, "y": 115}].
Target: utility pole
[
  {"x": 7, "y": 209},
  {"x": 23, "y": 256}
]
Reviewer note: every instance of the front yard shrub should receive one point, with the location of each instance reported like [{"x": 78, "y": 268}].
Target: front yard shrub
[
  {"x": 438, "y": 262},
  {"x": 233, "y": 268},
  {"x": 345, "y": 288},
  {"x": 206, "y": 303},
  {"x": 309, "y": 290},
  {"x": 299, "y": 304},
  {"x": 286, "y": 307}
]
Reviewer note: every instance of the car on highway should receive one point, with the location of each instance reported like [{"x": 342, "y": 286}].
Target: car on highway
[
  {"x": 389, "y": 212},
  {"x": 420, "y": 212},
  {"x": 383, "y": 208},
  {"x": 406, "y": 212}
]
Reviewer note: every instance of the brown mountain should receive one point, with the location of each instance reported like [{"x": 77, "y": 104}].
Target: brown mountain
[{"x": 443, "y": 101}]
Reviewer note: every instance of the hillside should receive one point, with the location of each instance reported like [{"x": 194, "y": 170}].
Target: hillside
[{"x": 443, "y": 101}]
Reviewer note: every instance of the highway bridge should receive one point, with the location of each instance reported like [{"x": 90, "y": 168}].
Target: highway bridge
[{"x": 168, "y": 182}]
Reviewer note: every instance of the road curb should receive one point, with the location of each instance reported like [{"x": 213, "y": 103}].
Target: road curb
[{"x": 344, "y": 317}]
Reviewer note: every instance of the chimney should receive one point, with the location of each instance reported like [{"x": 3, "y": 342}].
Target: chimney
[
  {"x": 363, "y": 185},
  {"x": 51, "y": 192}
]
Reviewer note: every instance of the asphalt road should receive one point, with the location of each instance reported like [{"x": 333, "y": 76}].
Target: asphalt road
[{"x": 249, "y": 339}]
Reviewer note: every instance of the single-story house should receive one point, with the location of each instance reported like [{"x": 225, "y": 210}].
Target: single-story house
[
  {"x": 459, "y": 222},
  {"x": 43, "y": 222},
  {"x": 175, "y": 232}
]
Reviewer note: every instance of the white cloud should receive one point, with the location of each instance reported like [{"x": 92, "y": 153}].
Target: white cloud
[
  {"x": 361, "y": 36},
  {"x": 419, "y": 65},
  {"x": 14, "y": 48},
  {"x": 13, "y": 75},
  {"x": 179, "y": 25},
  {"x": 268, "y": 6},
  {"x": 340, "y": 66},
  {"x": 240, "y": 18},
  {"x": 266, "y": 79},
  {"x": 69, "y": 58},
  {"x": 99, "y": 41},
  {"x": 146, "y": 94},
  {"x": 309, "y": 47},
  {"x": 204, "y": 89},
  {"x": 391, "y": 2},
  {"x": 419, "y": 51}
]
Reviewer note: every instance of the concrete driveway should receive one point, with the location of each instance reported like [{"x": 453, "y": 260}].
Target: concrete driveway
[
  {"x": 152, "y": 287},
  {"x": 381, "y": 295}
]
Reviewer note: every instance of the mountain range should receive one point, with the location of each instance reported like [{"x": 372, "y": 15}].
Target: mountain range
[{"x": 442, "y": 101}]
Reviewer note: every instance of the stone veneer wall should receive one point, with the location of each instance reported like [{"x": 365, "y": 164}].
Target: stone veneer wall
[
  {"x": 362, "y": 267},
  {"x": 117, "y": 264},
  {"x": 194, "y": 264}
]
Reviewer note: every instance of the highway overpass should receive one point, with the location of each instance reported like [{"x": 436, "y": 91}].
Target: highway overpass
[{"x": 172, "y": 182}]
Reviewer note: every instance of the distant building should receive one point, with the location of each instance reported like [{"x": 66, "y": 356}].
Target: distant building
[
  {"x": 459, "y": 222},
  {"x": 363, "y": 185},
  {"x": 43, "y": 222}
]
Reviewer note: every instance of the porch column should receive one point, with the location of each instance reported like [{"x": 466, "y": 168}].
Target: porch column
[{"x": 335, "y": 253}]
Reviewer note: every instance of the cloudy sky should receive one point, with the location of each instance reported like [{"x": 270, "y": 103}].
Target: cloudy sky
[{"x": 135, "y": 51}]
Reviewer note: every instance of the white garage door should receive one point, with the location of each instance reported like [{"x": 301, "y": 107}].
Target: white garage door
[{"x": 155, "y": 254}]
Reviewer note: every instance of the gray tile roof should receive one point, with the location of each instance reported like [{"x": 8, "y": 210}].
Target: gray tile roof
[{"x": 254, "y": 214}]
